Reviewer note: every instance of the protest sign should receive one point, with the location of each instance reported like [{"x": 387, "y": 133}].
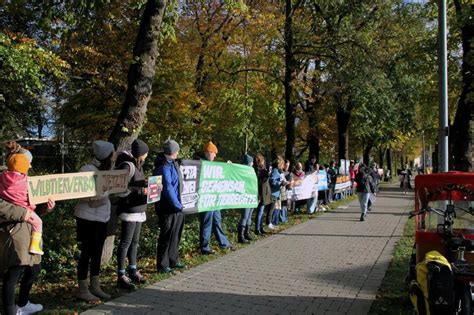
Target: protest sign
[
  {"x": 76, "y": 185},
  {"x": 306, "y": 189},
  {"x": 209, "y": 186},
  {"x": 154, "y": 189}
]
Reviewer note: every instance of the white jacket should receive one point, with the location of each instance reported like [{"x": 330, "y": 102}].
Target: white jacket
[{"x": 95, "y": 208}]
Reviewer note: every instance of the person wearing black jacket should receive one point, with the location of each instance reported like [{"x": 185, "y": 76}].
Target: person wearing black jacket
[
  {"x": 169, "y": 208},
  {"x": 131, "y": 209}
]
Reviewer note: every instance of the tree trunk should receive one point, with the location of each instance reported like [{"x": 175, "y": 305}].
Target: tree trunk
[
  {"x": 290, "y": 114},
  {"x": 389, "y": 161},
  {"x": 367, "y": 150},
  {"x": 342, "y": 117},
  {"x": 381, "y": 156},
  {"x": 460, "y": 130},
  {"x": 141, "y": 75},
  {"x": 313, "y": 132}
]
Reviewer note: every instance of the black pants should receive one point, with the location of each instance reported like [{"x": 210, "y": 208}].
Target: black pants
[
  {"x": 269, "y": 209},
  {"x": 10, "y": 279},
  {"x": 91, "y": 236},
  {"x": 129, "y": 237},
  {"x": 171, "y": 227}
]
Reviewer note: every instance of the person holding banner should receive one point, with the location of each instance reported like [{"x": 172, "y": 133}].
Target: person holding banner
[
  {"x": 210, "y": 221},
  {"x": 16, "y": 260},
  {"x": 243, "y": 229},
  {"x": 131, "y": 209},
  {"x": 264, "y": 192},
  {"x": 169, "y": 208},
  {"x": 92, "y": 215},
  {"x": 276, "y": 181}
]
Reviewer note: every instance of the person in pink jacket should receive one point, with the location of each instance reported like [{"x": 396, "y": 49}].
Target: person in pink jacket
[{"x": 14, "y": 189}]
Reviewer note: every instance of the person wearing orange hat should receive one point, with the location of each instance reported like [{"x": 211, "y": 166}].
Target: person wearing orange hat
[
  {"x": 21, "y": 251},
  {"x": 14, "y": 189},
  {"x": 211, "y": 220}
]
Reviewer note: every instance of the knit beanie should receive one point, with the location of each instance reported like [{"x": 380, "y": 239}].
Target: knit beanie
[
  {"x": 18, "y": 162},
  {"x": 139, "y": 148},
  {"x": 210, "y": 147},
  {"x": 247, "y": 159},
  {"x": 170, "y": 147},
  {"x": 102, "y": 149}
]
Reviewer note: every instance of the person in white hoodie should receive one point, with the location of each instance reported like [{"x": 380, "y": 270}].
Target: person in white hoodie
[{"x": 92, "y": 215}]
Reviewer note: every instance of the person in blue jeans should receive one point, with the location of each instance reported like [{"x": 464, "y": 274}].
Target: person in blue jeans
[
  {"x": 243, "y": 229},
  {"x": 210, "y": 221},
  {"x": 264, "y": 192}
]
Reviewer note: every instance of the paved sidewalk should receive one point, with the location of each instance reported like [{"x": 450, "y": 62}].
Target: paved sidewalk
[{"x": 332, "y": 264}]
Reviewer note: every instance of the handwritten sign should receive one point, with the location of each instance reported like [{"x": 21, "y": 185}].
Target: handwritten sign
[{"x": 76, "y": 185}]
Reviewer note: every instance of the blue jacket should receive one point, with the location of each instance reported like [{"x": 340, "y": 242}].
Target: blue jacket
[
  {"x": 170, "y": 201},
  {"x": 275, "y": 182}
]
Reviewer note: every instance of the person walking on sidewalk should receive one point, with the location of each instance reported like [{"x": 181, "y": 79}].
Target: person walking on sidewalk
[
  {"x": 92, "y": 215},
  {"x": 365, "y": 187},
  {"x": 132, "y": 212},
  {"x": 210, "y": 221},
  {"x": 169, "y": 208}
]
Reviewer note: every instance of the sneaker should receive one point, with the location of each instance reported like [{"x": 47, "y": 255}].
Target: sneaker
[
  {"x": 179, "y": 265},
  {"x": 362, "y": 217},
  {"x": 228, "y": 247},
  {"x": 29, "y": 308},
  {"x": 136, "y": 276},
  {"x": 207, "y": 251},
  {"x": 271, "y": 227},
  {"x": 124, "y": 282},
  {"x": 165, "y": 270}
]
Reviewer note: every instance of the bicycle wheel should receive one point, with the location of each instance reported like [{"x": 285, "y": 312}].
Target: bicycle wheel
[{"x": 463, "y": 300}]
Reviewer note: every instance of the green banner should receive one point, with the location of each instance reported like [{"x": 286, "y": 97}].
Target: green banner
[
  {"x": 226, "y": 185},
  {"x": 219, "y": 186}
]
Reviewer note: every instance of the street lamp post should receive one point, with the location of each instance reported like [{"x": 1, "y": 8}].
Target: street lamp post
[
  {"x": 443, "y": 90},
  {"x": 423, "y": 151}
]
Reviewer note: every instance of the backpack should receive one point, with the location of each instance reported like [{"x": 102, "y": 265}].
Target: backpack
[{"x": 432, "y": 292}]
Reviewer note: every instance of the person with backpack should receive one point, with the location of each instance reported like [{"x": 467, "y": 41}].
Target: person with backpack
[
  {"x": 92, "y": 215},
  {"x": 131, "y": 210},
  {"x": 365, "y": 187}
]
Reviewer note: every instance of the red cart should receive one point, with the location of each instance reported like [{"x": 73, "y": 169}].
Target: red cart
[{"x": 445, "y": 223}]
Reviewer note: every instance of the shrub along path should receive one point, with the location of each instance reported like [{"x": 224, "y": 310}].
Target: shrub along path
[{"x": 333, "y": 264}]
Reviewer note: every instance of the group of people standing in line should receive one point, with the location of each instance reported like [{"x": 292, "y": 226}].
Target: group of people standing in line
[{"x": 20, "y": 227}]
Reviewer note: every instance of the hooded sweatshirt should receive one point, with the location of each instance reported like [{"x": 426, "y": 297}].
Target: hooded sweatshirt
[{"x": 14, "y": 189}]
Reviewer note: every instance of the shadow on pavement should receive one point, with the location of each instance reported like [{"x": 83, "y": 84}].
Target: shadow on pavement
[{"x": 154, "y": 301}]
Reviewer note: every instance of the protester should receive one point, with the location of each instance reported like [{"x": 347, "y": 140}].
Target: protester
[
  {"x": 276, "y": 182},
  {"x": 312, "y": 202},
  {"x": 169, "y": 208},
  {"x": 243, "y": 229},
  {"x": 286, "y": 177},
  {"x": 16, "y": 259},
  {"x": 14, "y": 189},
  {"x": 264, "y": 193},
  {"x": 210, "y": 221},
  {"x": 132, "y": 212},
  {"x": 332, "y": 172},
  {"x": 298, "y": 176},
  {"x": 352, "y": 174},
  {"x": 365, "y": 187},
  {"x": 309, "y": 164},
  {"x": 92, "y": 215}
]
